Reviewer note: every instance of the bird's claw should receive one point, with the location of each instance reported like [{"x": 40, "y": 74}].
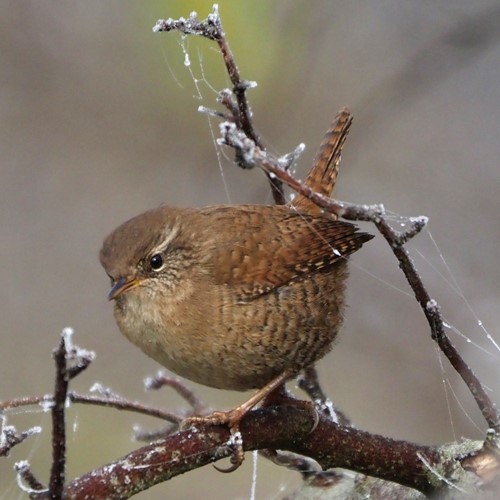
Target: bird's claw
[{"x": 232, "y": 420}]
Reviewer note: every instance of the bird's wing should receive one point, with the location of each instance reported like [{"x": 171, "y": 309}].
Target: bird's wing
[{"x": 274, "y": 246}]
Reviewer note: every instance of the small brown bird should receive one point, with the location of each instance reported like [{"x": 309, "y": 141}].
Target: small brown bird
[
  {"x": 230, "y": 296},
  {"x": 234, "y": 297}
]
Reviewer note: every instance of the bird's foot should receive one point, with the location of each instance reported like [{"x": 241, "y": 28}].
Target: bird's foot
[{"x": 231, "y": 419}]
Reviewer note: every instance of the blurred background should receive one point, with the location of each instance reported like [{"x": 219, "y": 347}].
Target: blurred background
[{"x": 99, "y": 122}]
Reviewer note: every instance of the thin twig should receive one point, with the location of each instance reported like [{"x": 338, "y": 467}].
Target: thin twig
[
  {"x": 47, "y": 401},
  {"x": 160, "y": 380},
  {"x": 309, "y": 382},
  {"x": 211, "y": 28},
  {"x": 58, "y": 469},
  {"x": 10, "y": 437},
  {"x": 123, "y": 404},
  {"x": 433, "y": 314},
  {"x": 31, "y": 484}
]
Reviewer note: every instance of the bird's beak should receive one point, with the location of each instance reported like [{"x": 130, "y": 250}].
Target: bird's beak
[{"x": 121, "y": 286}]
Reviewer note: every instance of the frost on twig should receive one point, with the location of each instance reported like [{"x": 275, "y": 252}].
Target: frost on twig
[
  {"x": 243, "y": 145},
  {"x": 10, "y": 436},
  {"x": 289, "y": 160},
  {"x": 77, "y": 358},
  {"x": 27, "y": 482},
  {"x": 308, "y": 381},
  {"x": 210, "y": 27}
]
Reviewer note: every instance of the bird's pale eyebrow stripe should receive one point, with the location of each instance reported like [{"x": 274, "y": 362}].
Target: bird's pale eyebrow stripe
[{"x": 169, "y": 233}]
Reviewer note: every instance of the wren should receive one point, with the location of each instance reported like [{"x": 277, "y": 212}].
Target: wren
[
  {"x": 230, "y": 296},
  {"x": 236, "y": 296}
]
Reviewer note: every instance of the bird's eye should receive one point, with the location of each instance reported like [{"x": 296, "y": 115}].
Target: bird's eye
[{"x": 156, "y": 262}]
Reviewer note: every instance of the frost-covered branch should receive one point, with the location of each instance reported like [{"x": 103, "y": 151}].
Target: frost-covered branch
[{"x": 329, "y": 444}]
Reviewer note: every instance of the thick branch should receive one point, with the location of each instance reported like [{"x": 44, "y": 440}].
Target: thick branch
[{"x": 331, "y": 445}]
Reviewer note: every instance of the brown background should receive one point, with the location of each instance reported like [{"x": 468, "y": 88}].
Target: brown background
[{"x": 99, "y": 121}]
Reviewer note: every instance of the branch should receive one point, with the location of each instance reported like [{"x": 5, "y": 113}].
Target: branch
[
  {"x": 70, "y": 361},
  {"x": 330, "y": 444},
  {"x": 58, "y": 470},
  {"x": 9, "y": 437},
  {"x": 239, "y": 108},
  {"x": 118, "y": 403},
  {"x": 308, "y": 381},
  {"x": 432, "y": 312}
]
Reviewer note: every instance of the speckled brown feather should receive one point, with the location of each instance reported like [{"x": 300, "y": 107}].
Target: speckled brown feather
[
  {"x": 323, "y": 174},
  {"x": 285, "y": 246}
]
